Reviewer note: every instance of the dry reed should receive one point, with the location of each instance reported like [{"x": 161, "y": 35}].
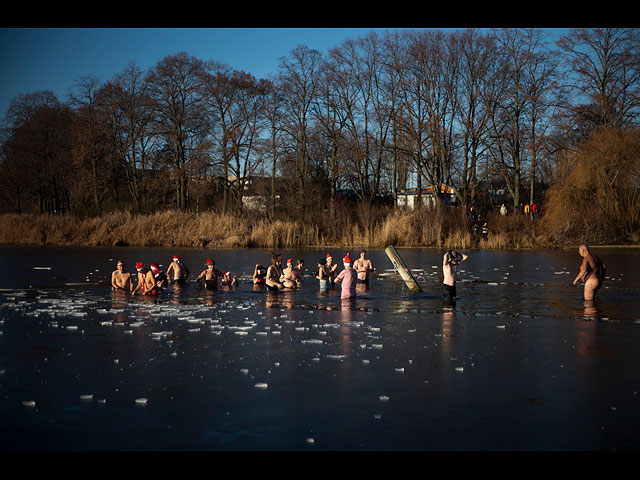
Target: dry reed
[{"x": 444, "y": 228}]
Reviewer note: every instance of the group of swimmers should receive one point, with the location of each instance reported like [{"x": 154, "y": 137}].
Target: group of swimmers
[
  {"x": 152, "y": 280},
  {"x": 275, "y": 277}
]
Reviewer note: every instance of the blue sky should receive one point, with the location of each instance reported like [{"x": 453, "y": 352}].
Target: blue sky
[{"x": 34, "y": 59}]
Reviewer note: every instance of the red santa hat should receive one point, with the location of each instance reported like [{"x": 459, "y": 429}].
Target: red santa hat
[
  {"x": 155, "y": 267},
  {"x": 209, "y": 261},
  {"x": 347, "y": 259},
  {"x": 120, "y": 263},
  {"x": 139, "y": 266},
  {"x": 329, "y": 256},
  {"x": 175, "y": 258},
  {"x": 289, "y": 261}
]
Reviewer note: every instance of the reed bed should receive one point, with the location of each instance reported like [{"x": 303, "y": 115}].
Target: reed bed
[{"x": 426, "y": 228}]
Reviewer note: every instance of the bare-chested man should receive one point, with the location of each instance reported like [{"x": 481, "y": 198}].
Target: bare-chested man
[
  {"x": 121, "y": 279},
  {"x": 592, "y": 272},
  {"x": 178, "y": 272},
  {"x": 363, "y": 266},
  {"x": 146, "y": 281},
  {"x": 450, "y": 263},
  {"x": 210, "y": 275}
]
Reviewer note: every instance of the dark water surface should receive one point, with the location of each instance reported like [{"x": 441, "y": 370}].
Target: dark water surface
[{"x": 519, "y": 363}]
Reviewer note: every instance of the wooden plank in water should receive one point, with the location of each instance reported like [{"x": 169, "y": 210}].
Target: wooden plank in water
[{"x": 402, "y": 269}]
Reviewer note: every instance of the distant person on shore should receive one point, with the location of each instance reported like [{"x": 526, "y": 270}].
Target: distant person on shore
[
  {"x": 450, "y": 263},
  {"x": 259, "y": 272},
  {"x": 503, "y": 210},
  {"x": 348, "y": 279},
  {"x": 210, "y": 275},
  {"x": 363, "y": 267},
  {"x": 177, "y": 272},
  {"x": 146, "y": 281},
  {"x": 121, "y": 279},
  {"x": 534, "y": 210},
  {"x": 323, "y": 275},
  {"x": 331, "y": 269},
  {"x": 274, "y": 272},
  {"x": 592, "y": 272},
  {"x": 289, "y": 275}
]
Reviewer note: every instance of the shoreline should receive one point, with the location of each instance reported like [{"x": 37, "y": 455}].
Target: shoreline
[{"x": 209, "y": 230}]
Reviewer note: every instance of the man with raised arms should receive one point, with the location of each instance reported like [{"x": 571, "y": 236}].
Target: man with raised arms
[{"x": 450, "y": 263}]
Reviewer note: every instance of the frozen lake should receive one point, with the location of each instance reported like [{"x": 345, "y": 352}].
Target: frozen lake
[{"x": 519, "y": 363}]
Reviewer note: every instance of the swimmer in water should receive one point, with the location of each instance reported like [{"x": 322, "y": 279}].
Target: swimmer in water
[
  {"x": 146, "y": 281},
  {"x": 348, "y": 279},
  {"x": 364, "y": 267},
  {"x": 289, "y": 275},
  {"x": 592, "y": 272},
  {"x": 259, "y": 273},
  {"x": 121, "y": 279},
  {"x": 210, "y": 275},
  {"x": 331, "y": 269},
  {"x": 300, "y": 269},
  {"x": 162, "y": 282},
  {"x": 274, "y": 273},
  {"x": 323, "y": 275},
  {"x": 178, "y": 272},
  {"x": 228, "y": 281},
  {"x": 450, "y": 263}
]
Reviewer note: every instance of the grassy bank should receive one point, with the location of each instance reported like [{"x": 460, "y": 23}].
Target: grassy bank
[{"x": 212, "y": 230}]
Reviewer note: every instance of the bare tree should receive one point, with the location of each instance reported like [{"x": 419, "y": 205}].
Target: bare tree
[
  {"x": 604, "y": 75},
  {"x": 509, "y": 95},
  {"x": 236, "y": 99},
  {"x": 89, "y": 145},
  {"x": 174, "y": 85},
  {"x": 299, "y": 74},
  {"x": 361, "y": 87},
  {"x": 476, "y": 53}
]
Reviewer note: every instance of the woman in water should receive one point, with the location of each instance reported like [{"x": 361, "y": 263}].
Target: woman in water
[
  {"x": 274, "y": 272},
  {"x": 258, "y": 275},
  {"x": 323, "y": 275}
]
